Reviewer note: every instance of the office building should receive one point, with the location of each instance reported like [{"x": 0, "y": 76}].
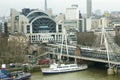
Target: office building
[
  {"x": 13, "y": 15},
  {"x": 18, "y": 22},
  {"x": 45, "y": 5},
  {"x": 72, "y": 13},
  {"x": 89, "y": 8}
]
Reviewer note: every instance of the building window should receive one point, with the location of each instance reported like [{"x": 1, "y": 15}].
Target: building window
[
  {"x": 28, "y": 28},
  {"x": 80, "y": 26},
  {"x": 22, "y": 26},
  {"x": 43, "y": 29},
  {"x": 59, "y": 28},
  {"x": 43, "y": 25}
]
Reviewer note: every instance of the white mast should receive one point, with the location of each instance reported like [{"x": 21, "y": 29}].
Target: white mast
[{"x": 103, "y": 36}]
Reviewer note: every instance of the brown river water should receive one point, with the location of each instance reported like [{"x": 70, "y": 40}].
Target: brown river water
[{"x": 89, "y": 74}]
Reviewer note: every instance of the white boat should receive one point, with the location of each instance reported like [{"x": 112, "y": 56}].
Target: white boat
[{"x": 63, "y": 68}]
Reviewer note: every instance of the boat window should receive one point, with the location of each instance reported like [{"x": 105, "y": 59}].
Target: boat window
[
  {"x": 73, "y": 66},
  {"x": 63, "y": 66}
]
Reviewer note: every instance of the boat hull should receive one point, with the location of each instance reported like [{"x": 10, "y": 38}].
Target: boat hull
[
  {"x": 58, "y": 72},
  {"x": 23, "y": 77},
  {"x": 17, "y": 76},
  {"x": 63, "y": 70}
]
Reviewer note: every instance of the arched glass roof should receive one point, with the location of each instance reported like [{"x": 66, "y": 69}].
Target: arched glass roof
[
  {"x": 32, "y": 15},
  {"x": 43, "y": 24}
]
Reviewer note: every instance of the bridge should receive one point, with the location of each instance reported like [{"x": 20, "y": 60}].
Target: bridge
[
  {"x": 86, "y": 55},
  {"x": 105, "y": 51}
]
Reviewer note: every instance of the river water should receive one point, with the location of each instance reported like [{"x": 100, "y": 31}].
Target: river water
[{"x": 89, "y": 74}]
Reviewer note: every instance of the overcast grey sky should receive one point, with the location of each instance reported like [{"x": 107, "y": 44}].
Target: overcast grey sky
[{"x": 58, "y": 6}]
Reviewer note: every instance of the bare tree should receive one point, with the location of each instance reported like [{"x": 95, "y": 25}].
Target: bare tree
[
  {"x": 17, "y": 46},
  {"x": 85, "y": 38}
]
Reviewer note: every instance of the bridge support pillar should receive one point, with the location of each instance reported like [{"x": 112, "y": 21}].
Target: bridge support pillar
[
  {"x": 115, "y": 70},
  {"x": 110, "y": 71}
]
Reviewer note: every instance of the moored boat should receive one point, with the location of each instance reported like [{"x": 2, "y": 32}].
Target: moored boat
[
  {"x": 19, "y": 75},
  {"x": 16, "y": 76},
  {"x": 63, "y": 68}
]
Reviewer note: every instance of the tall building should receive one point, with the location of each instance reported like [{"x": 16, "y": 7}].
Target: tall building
[
  {"x": 18, "y": 22},
  {"x": 89, "y": 8},
  {"x": 72, "y": 13},
  {"x": 13, "y": 15},
  {"x": 45, "y": 5}
]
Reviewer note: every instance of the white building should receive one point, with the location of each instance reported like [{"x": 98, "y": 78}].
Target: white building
[
  {"x": 13, "y": 14},
  {"x": 72, "y": 13},
  {"x": 42, "y": 28},
  {"x": 103, "y": 22},
  {"x": 88, "y": 24},
  {"x": 71, "y": 24},
  {"x": 39, "y": 27},
  {"x": 18, "y": 22}
]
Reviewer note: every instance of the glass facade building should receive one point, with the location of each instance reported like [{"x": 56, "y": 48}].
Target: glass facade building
[
  {"x": 42, "y": 28},
  {"x": 43, "y": 25},
  {"x": 41, "y": 22}
]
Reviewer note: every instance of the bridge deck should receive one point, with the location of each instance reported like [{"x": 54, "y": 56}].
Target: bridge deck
[{"x": 84, "y": 58}]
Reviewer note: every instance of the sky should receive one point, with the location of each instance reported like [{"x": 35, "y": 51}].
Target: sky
[{"x": 58, "y": 6}]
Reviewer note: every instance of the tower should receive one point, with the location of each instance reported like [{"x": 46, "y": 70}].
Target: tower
[
  {"x": 45, "y": 6},
  {"x": 89, "y": 8}
]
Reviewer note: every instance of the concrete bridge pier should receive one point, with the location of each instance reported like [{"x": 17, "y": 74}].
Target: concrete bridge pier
[
  {"x": 115, "y": 70},
  {"x": 112, "y": 71}
]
